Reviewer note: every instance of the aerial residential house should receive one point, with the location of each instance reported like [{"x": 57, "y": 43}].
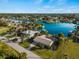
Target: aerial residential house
[
  {"x": 43, "y": 40},
  {"x": 66, "y": 19},
  {"x": 77, "y": 22},
  {"x": 15, "y": 21},
  {"x": 47, "y": 42},
  {"x": 26, "y": 21}
]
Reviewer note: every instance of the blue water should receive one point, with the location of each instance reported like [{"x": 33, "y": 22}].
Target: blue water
[{"x": 56, "y": 28}]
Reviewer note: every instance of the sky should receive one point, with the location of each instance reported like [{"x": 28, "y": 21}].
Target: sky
[{"x": 39, "y": 6}]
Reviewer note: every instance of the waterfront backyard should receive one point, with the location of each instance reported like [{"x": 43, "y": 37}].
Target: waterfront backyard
[
  {"x": 71, "y": 50},
  {"x": 39, "y": 29}
]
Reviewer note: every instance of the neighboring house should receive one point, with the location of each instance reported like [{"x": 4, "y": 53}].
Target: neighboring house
[
  {"x": 77, "y": 21},
  {"x": 15, "y": 21},
  {"x": 30, "y": 32},
  {"x": 43, "y": 40},
  {"x": 66, "y": 19},
  {"x": 26, "y": 21},
  {"x": 76, "y": 38}
]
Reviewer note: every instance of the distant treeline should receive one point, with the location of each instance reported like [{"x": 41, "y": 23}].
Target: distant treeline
[{"x": 40, "y": 14}]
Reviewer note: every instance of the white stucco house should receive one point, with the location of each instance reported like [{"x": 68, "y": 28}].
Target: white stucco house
[{"x": 30, "y": 32}]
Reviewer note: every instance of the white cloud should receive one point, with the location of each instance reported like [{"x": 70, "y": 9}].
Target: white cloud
[
  {"x": 66, "y": 9},
  {"x": 59, "y": 7}
]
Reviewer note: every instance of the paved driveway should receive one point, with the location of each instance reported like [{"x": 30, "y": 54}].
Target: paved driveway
[{"x": 20, "y": 49}]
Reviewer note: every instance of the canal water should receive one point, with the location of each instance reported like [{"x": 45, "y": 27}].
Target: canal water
[{"x": 56, "y": 28}]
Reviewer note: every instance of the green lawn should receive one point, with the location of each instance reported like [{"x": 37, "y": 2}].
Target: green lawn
[
  {"x": 70, "y": 49},
  {"x": 4, "y": 29},
  {"x": 25, "y": 44},
  {"x": 73, "y": 50},
  {"x": 44, "y": 53},
  {"x": 10, "y": 35}
]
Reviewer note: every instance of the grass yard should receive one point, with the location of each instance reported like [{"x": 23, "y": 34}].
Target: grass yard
[
  {"x": 44, "y": 53},
  {"x": 25, "y": 44},
  {"x": 73, "y": 50},
  {"x": 10, "y": 35},
  {"x": 3, "y": 30},
  {"x": 70, "y": 50}
]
